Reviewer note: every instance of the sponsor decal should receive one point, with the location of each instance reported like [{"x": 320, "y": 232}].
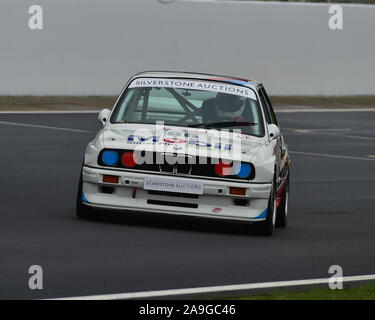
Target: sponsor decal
[
  {"x": 234, "y": 81},
  {"x": 173, "y": 140},
  {"x": 137, "y": 139},
  {"x": 217, "y": 210},
  {"x": 173, "y": 185},
  {"x": 194, "y": 85},
  {"x": 200, "y": 146}
]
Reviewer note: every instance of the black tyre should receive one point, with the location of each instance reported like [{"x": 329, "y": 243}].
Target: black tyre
[
  {"x": 82, "y": 211},
  {"x": 267, "y": 226},
  {"x": 282, "y": 211}
]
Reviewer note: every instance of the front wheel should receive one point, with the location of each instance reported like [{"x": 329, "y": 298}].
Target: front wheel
[
  {"x": 267, "y": 226},
  {"x": 282, "y": 211}
]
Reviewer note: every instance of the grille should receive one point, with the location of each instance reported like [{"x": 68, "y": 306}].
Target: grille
[{"x": 177, "y": 168}]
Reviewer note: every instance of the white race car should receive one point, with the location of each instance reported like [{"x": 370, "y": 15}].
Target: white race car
[{"x": 189, "y": 144}]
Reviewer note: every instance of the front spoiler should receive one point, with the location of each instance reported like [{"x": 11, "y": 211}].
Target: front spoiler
[{"x": 216, "y": 202}]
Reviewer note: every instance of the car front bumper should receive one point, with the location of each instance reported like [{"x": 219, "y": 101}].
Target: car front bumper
[{"x": 215, "y": 202}]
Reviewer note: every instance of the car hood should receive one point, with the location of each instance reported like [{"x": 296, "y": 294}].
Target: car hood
[{"x": 181, "y": 140}]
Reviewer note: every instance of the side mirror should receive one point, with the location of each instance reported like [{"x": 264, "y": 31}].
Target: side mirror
[
  {"x": 104, "y": 116},
  {"x": 273, "y": 131}
]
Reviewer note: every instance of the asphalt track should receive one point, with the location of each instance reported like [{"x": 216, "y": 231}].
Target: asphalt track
[{"x": 331, "y": 216}]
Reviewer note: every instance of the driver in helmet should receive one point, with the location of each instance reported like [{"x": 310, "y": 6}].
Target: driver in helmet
[{"x": 231, "y": 107}]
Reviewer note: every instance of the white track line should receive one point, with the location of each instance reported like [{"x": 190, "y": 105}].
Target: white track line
[
  {"x": 318, "y": 130},
  {"x": 277, "y": 111},
  {"x": 51, "y": 112},
  {"x": 330, "y": 132},
  {"x": 330, "y": 156},
  {"x": 353, "y": 137},
  {"x": 273, "y": 3},
  {"x": 40, "y": 126},
  {"x": 217, "y": 289},
  {"x": 325, "y": 110}
]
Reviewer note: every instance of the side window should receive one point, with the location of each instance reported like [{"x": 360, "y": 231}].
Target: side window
[
  {"x": 272, "y": 112},
  {"x": 265, "y": 106}
]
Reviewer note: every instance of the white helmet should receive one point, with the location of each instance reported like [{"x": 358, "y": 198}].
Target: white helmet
[{"x": 230, "y": 105}]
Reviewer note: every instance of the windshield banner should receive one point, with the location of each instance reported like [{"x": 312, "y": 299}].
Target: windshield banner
[{"x": 194, "y": 85}]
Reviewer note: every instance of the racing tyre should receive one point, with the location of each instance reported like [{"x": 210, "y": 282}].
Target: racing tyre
[
  {"x": 267, "y": 226},
  {"x": 82, "y": 211},
  {"x": 282, "y": 211}
]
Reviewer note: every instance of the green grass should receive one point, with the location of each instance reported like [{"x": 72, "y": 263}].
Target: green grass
[
  {"x": 101, "y": 102},
  {"x": 325, "y": 101},
  {"x": 326, "y": 1},
  {"x": 354, "y": 292},
  {"x": 109, "y": 100},
  {"x": 106, "y": 101}
]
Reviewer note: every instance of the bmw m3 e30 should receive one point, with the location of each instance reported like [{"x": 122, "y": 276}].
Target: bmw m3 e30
[{"x": 189, "y": 144}]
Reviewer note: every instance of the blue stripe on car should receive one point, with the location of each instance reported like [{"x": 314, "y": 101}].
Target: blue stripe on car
[
  {"x": 84, "y": 199},
  {"x": 262, "y": 215}
]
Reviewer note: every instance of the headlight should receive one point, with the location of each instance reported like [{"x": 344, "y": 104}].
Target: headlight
[
  {"x": 110, "y": 157},
  {"x": 129, "y": 159},
  {"x": 241, "y": 170}
]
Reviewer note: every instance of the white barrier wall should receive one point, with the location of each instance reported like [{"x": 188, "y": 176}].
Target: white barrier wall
[{"x": 91, "y": 47}]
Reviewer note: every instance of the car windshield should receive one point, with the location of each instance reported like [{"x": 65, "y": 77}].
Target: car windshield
[{"x": 190, "y": 103}]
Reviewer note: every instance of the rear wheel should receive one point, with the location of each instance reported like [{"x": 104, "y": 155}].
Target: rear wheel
[
  {"x": 267, "y": 226},
  {"x": 282, "y": 211},
  {"x": 82, "y": 211}
]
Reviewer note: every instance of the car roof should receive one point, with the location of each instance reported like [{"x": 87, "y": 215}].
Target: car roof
[{"x": 199, "y": 76}]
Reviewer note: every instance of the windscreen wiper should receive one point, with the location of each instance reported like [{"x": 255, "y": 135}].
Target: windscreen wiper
[{"x": 223, "y": 124}]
